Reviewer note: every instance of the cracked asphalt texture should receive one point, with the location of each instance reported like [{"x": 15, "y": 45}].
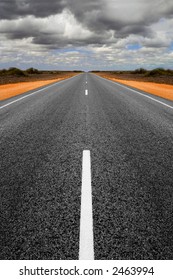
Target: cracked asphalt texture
[{"x": 42, "y": 138}]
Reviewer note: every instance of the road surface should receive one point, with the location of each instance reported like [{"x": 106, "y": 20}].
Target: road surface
[{"x": 130, "y": 138}]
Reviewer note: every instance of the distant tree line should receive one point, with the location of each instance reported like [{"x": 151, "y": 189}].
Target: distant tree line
[
  {"x": 154, "y": 72},
  {"x": 13, "y": 71},
  {"x": 142, "y": 71}
]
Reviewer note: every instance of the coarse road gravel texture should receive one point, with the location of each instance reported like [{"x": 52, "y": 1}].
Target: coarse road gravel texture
[{"x": 42, "y": 138}]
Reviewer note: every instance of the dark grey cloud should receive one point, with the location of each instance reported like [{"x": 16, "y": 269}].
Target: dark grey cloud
[
  {"x": 52, "y": 42},
  {"x": 124, "y": 17},
  {"x": 136, "y": 29},
  {"x": 11, "y": 9},
  {"x": 117, "y": 14},
  {"x": 103, "y": 26}
]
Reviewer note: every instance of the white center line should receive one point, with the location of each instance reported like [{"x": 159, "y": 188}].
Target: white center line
[
  {"x": 86, "y": 92},
  {"x": 86, "y": 245}
]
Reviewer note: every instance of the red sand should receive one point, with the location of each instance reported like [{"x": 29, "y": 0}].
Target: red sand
[
  {"x": 9, "y": 90},
  {"x": 162, "y": 90}
]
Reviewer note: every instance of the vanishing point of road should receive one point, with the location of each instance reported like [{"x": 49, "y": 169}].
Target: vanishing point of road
[{"x": 86, "y": 160}]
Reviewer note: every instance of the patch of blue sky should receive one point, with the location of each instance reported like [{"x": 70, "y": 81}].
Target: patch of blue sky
[
  {"x": 63, "y": 50},
  {"x": 171, "y": 47},
  {"x": 133, "y": 47}
]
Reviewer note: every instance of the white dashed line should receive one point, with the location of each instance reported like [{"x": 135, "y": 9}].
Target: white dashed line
[
  {"x": 86, "y": 92},
  {"x": 86, "y": 245}
]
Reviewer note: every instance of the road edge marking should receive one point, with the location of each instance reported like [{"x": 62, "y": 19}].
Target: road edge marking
[
  {"x": 32, "y": 93},
  {"x": 86, "y": 242},
  {"x": 142, "y": 94}
]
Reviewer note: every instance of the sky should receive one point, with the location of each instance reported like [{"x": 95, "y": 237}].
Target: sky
[{"x": 86, "y": 34}]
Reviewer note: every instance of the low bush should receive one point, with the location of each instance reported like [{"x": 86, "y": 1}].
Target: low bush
[
  {"x": 15, "y": 71},
  {"x": 32, "y": 71},
  {"x": 3, "y": 72},
  {"x": 140, "y": 71},
  {"x": 160, "y": 72}
]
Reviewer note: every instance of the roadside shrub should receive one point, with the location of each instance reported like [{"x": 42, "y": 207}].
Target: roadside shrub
[
  {"x": 169, "y": 72},
  {"x": 3, "y": 72},
  {"x": 140, "y": 71},
  {"x": 157, "y": 72},
  {"x": 15, "y": 71},
  {"x": 32, "y": 71}
]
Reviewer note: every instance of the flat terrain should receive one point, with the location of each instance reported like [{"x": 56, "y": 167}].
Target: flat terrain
[
  {"x": 130, "y": 138},
  {"x": 130, "y": 76},
  {"x": 13, "y": 85},
  {"x": 161, "y": 86},
  {"x": 41, "y": 76}
]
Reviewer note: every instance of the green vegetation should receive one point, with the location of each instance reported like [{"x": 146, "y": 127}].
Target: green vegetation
[
  {"x": 160, "y": 72},
  {"x": 32, "y": 71},
  {"x": 154, "y": 72},
  {"x": 13, "y": 71},
  {"x": 141, "y": 71}
]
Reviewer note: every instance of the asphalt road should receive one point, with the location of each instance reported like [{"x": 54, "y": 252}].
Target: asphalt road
[{"x": 130, "y": 138}]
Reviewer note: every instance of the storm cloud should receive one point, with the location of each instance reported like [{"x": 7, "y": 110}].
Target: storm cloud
[
  {"x": 11, "y": 9},
  {"x": 99, "y": 29}
]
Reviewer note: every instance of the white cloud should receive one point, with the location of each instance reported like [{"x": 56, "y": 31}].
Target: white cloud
[{"x": 114, "y": 33}]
